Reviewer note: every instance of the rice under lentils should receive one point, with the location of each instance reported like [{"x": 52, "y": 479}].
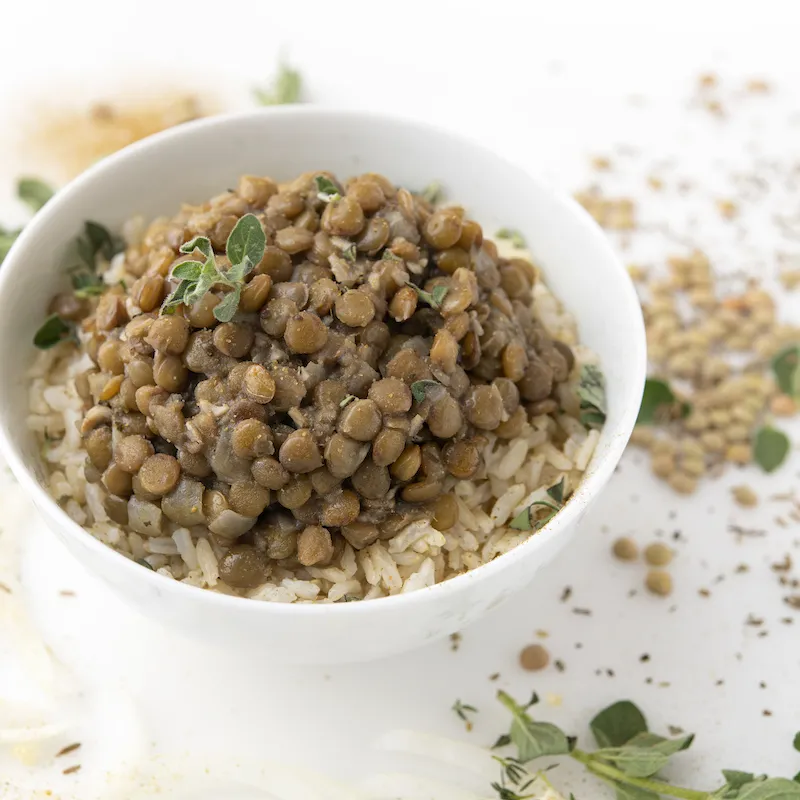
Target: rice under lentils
[{"x": 390, "y": 393}]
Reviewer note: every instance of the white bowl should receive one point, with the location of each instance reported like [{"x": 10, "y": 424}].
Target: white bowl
[{"x": 198, "y": 160}]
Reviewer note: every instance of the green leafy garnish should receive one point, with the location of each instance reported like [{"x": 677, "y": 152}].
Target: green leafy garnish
[
  {"x": 327, "y": 190},
  {"x": 97, "y": 240},
  {"x": 513, "y": 236},
  {"x": 786, "y": 366},
  {"x": 433, "y": 193},
  {"x": 532, "y": 739},
  {"x": 286, "y": 88},
  {"x": 592, "y": 394},
  {"x": 419, "y": 389},
  {"x": 433, "y": 298},
  {"x": 33, "y": 192},
  {"x": 629, "y": 758},
  {"x": 7, "y": 238},
  {"x": 144, "y": 563},
  {"x": 350, "y": 252},
  {"x": 52, "y": 331},
  {"x": 347, "y": 400},
  {"x": 461, "y": 710},
  {"x": 618, "y": 724},
  {"x": 796, "y": 741},
  {"x": 244, "y": 248},
  {"x": 524, "y": 521},
  {"x": 660, "y": 404},
  {"x": 771, "y": 448}
]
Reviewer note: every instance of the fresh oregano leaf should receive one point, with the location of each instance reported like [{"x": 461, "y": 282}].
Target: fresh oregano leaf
[
  {"x": 285, "y": 89},
  {"x": 796, "y": 741},
  {"x": 533, "y": 739},
  {"x": 327, "y": 190},
  {"x": 515, "y": 237},
  {"x": 188, "y": 270},
  {"x": 86, "y": 284},
  {"x": 502, "y": 741},
  {"x": 659, "y": 403},
  {"x": 246, "y": 241},
  {"x": 660, "y": 743},
  {"x": 770, "y": 789},
  {"x": 433, "y": 298},
  {"x": 638, "y": 762},
  {"x": 735, "y": 779},
  {"x": 102, "y": 241},
  {"x": 52, "y": 331},
  {"x": 419, "y": 389},
  {"x": 144, "y": 563},
  {"x": 771, "y": 448},
  {"x": 178, "y": 296},
  {"x": 34, "y": 192},
  {"x": 618, "y": 724},
  {"x": 201, "y": 243},
  {"x": 347, "y": 400},
  {"x": 625, "y": 791},
  {"x": 524, "y": 520},
  {"x": 556, "y": 491},
  {"x": 786, "y": 366},
  {"x": 592, "y": 394},
  {"x": 7, "y": 238},
  {"x": 226, "y": 310},
  {"x": 432, "y": 193}
]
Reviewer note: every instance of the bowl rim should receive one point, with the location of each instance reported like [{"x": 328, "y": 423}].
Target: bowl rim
[{"x": 589, "y": 486}]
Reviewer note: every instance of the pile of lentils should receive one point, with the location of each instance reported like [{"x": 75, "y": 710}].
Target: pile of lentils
[
  {"x": 375, "y": 344},
  {"x": 717, "y": 358}
]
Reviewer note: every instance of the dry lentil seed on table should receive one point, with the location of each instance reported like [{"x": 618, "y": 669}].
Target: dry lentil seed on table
[
  {"x": 625, "y": 549},
  {"x": 301, "y": 421},
  {"x": 534, "y": 657}
]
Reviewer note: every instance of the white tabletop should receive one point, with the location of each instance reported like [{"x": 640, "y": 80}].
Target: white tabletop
[{"x": 549, "y": 85}]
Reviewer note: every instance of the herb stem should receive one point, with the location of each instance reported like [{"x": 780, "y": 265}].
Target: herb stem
[{"x": 607, "y": 771}]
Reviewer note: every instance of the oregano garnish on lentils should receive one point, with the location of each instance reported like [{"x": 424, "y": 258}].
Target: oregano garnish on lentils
[{"x": 244, "y": 248}]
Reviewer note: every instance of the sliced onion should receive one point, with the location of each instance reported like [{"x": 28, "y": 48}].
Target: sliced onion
[{"x": 184, "y": 504}]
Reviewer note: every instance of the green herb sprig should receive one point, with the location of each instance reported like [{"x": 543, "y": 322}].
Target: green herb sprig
[
  {"x": 462, "y": 711},
  {"x": 628, "y": 758},
  {"x": 513, "y": 236},
  {"x": 96, "y": 240},
  {"x": 420, "y": 389},
  {"x": 34, "y": 192},
  {"x": 592, "y": 394},
  {"x": 660, "y": 404},
  {"x": 327, "y": 190},
  {"x": 433, "y": 193},
  {"x": 433, "y": 298},
  {"x": 786, "y": 366},
  {"x": 244, "y": 248},
  {"x": 770, "y": 448},
  {"x": 524, "y": 521},
  {"x": 285, "y": 89}
]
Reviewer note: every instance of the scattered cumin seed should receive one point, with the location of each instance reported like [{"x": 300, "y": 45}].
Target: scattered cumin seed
[
  {"x": 68, "y": 749},
  {"x": 67, "y": 593},
  {"x": 455, "y": 641},
  {"x": 559, "y": 665},
  {"x": 704, "y": 592},
  {"x": 71, "y": 770},
  {"x": 566, "y": 594},
  {"x": 783, "y": 566},
  {"x": 586, "y": 612},
  {"x": 4, "y": 588},
  {"x": 766, "y": 712},
  {"x": 674, "y": 730},
  {"x": 494, "y": 676}
]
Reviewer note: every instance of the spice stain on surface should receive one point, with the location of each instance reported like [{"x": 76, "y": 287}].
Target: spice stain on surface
[{"x": 73, "y": 139}]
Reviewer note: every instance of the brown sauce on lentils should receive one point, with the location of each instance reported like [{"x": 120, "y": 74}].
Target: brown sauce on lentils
[{"x": 375, "y": 344}]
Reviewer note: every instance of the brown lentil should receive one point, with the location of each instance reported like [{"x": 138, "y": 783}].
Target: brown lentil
[{"x": 534, "y": 657}]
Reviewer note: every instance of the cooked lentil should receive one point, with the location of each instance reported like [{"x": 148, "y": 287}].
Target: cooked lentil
[{"x": 296, "y": 430}]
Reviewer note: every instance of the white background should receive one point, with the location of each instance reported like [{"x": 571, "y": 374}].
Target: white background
[{"x": 547, "y": 84}]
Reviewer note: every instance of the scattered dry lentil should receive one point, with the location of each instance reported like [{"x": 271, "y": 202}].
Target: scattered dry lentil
[
  {"x": 744, "y": 496},
  {"x": 625, "y": 549},
  {"x": 658, "y": 554},
  {"x": 659, "y": 581},
  {"x": 534, "y": 657}
]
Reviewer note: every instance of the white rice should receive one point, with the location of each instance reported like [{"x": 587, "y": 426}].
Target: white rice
[{"x": 516, "y": 474}]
